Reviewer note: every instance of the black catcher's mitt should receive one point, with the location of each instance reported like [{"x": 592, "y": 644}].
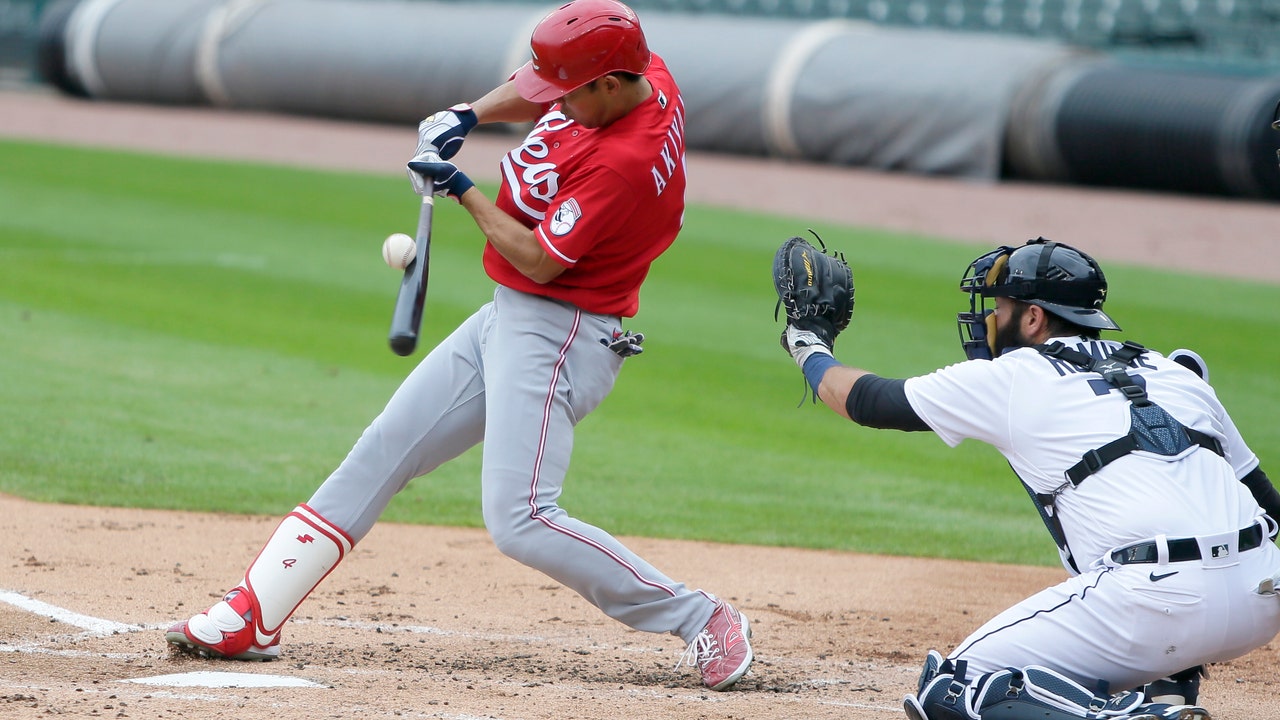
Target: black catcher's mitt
[{"x": 815, "y": 287}]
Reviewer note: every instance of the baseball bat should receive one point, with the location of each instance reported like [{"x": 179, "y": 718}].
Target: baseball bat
[{"x": 406, "y": 320}]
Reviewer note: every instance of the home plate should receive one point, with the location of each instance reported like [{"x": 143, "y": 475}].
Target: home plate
[{"x": 207, "y": 679}]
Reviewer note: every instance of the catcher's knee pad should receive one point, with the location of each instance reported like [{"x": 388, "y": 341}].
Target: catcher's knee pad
[
  {"x": 943, "y": 692},
  {"x": 934, "y": 664}
]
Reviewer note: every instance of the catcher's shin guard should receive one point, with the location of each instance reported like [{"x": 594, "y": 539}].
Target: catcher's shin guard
[
  {"x": 1011, "y": 694},
  {"x": 1038, "y": 692}
]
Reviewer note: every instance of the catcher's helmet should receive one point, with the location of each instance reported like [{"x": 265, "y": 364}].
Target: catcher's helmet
[
  {"x": 1059, "y": 278},
  {"x": 579, "y": 42}
]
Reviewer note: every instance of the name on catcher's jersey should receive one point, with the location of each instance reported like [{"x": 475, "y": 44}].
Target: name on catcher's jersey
[{"x": 602, "y": 202}]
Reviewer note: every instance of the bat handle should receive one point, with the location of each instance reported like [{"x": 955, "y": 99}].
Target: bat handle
[{"x": 428, "y": 202}]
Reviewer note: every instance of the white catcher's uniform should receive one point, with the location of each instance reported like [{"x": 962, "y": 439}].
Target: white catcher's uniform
[{"x": 1125, "y": 624}]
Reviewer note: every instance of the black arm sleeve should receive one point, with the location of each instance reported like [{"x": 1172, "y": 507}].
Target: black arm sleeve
[
  {"x": 1263, "y": 491},
  {"x": 882, "y": 403}
]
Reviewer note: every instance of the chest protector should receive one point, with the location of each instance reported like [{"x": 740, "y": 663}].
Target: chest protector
[{"x": 1151, "y": 428}]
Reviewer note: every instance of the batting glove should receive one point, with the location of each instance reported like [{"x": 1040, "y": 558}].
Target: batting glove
[
  {"x": 625, "y": 344},
  {"x": 449, "y": 180},
  {"x": 802, "y": 344},
  {"x": 443, "y": 132}
]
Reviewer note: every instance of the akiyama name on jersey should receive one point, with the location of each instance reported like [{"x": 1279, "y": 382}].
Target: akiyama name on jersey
[
  {"x": 672, "y": 149},
  {"x": 532, "y": 171}
]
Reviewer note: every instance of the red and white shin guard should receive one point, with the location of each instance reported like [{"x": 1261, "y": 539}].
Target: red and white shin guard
[{"x": 245, "y": 624}]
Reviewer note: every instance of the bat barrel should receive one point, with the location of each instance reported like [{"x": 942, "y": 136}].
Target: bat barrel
[{"x": 406, "y": 320}]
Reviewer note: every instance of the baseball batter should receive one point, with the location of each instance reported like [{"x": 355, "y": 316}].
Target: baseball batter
[
  {"x": 590, "y": 198},
  {"x": 1161, "y": 513}
]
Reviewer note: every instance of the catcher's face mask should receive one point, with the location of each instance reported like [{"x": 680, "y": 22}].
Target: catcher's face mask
[{"x": 978, "y": 326}]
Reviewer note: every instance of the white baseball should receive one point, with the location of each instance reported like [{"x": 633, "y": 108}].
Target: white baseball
[{"x": 398, "y": 250}]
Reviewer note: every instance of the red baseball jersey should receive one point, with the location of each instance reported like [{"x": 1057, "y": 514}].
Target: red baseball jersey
[{"x": 603, "y": 202}]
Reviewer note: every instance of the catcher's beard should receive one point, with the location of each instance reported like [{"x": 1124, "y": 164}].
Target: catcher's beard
[{"x": 1010, "y": 336}]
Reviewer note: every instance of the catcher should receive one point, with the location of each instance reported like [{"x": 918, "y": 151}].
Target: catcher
[{"x": 1160, "y": 511}]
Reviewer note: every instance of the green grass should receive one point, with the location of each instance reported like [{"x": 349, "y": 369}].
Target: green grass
[{"x": 212, "y": 336}]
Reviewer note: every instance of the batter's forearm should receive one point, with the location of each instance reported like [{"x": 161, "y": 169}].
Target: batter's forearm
[
  {"x": 504, "y": 104},
  {"x": 513, "y": 241}
]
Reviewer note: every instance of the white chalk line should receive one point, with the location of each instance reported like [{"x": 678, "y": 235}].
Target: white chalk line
[
  {"x": 94, "y": 626},
  {"x": 217, "y": 679},
  {"x": 36, "y": 649}
]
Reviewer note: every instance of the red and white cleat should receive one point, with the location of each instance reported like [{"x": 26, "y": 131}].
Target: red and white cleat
[
  {"x": 722, "y": 651},
  {"x": 225, "y": 630}
]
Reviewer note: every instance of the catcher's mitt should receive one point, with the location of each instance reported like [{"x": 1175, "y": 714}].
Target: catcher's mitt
[{"x": 816, "y": 288}]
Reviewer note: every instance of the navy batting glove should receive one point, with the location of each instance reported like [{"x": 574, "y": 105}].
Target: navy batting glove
[
  {"x": 449, "y": 180},
  {"x": 443, "y": 132}
]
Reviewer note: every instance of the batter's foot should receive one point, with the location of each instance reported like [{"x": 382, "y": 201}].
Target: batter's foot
[
  {"x": 223, "y": 631},
  {"x": 722, "y": 651}
]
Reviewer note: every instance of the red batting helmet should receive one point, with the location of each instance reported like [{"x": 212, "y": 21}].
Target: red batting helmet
[{"x": 579, "y": 42}]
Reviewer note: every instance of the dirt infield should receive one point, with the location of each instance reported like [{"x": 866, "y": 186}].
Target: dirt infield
[{"x": 433, "y": 622}]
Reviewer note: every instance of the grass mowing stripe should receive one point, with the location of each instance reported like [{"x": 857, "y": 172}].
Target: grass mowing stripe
[{"x": 212, "y": 336}]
